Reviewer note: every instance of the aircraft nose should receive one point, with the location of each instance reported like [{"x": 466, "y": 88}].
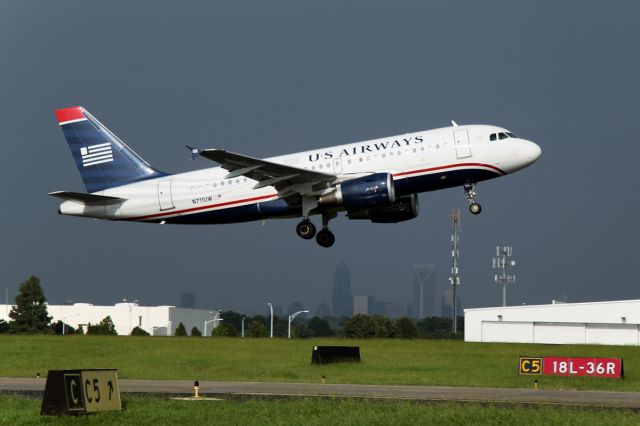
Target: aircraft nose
[{"x": 531, "y": 151}]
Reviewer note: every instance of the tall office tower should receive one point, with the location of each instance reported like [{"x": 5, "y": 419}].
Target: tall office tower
[
  {"x": 187, "y": 300},
  {"x": 424, "y": 291},
  {"x": 342, "y": 297}
]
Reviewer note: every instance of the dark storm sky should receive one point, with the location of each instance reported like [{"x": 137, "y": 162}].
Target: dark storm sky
[{"x": 267, "y": 78}]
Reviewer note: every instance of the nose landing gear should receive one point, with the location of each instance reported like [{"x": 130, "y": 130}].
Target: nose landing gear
[{"x": 469, "y": 190}]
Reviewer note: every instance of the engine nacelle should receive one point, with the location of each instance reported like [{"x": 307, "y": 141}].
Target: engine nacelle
[
  {"x": 367, "y": 192},
  {"x": 404, "y": 208}
]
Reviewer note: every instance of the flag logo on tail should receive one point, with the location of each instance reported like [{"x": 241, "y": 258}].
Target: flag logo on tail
[{"x": 96, "y": 154}]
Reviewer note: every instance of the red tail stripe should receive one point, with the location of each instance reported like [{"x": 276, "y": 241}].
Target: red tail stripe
[{"x": 69, "y": 114}]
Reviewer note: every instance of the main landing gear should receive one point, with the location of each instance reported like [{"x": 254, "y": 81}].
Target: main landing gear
[
  {"x": 469, "y": 190},
  {"x": 325, "y": 237}
]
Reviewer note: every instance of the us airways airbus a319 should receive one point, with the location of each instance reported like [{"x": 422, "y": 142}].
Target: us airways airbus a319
[{"x": 376, "y": 180}]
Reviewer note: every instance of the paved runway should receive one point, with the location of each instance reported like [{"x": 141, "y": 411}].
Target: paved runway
[{"x": 419, "y": 393}]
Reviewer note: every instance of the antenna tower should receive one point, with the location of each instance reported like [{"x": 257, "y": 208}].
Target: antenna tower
[{"x": 501, "y": 262}]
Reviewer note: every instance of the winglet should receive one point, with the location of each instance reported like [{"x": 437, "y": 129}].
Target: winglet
[{"x": 195, "y": 152}]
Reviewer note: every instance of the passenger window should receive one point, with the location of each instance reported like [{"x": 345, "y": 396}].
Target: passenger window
[{"x": 492, "y": 137}]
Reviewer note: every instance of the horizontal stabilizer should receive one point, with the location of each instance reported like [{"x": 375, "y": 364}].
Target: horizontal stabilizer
[{"x": 89, "y": 199}]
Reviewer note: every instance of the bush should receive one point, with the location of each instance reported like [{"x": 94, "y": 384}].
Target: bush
[
  {"x": 137, "y": 331},
  {"x": 105, "y": 327},
  {"x": 405, "y": 328},
  {"x": 195, "y": 332},
  {"x": 256, "y": 329},
  {"x": 180, "y": 330},
  {"x": 57, "y": 328},
  {"x": 225, "y": 330},
  {"x": 319, "y": 327}
]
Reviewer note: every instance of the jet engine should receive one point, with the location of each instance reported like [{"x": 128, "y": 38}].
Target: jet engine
[
  {"x": 404, "y": 208},
  {"x": 375, "y": 190}
]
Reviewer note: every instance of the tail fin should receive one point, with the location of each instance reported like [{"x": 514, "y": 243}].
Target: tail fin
[{"x": 104, "y": 161}]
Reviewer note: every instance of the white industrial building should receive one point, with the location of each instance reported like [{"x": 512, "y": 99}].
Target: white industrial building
[
  {"x": 604, "y": 323},
  {"x": 155, "y": 320}
]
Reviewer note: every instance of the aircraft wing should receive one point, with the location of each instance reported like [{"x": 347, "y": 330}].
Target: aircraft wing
[{"x": 266, "y": 173}]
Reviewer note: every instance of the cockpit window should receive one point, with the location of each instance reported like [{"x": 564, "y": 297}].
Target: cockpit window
[{"x": 501, "y": 135}]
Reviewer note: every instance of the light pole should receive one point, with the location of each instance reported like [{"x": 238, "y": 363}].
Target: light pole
[
  {"x": 64, "y": 325},
  {"x": 271, "y": 309},
  {"x": 216, "y": 317},
  {"x": 291, "y": 317},
  {"x": 243, "y": 318}
]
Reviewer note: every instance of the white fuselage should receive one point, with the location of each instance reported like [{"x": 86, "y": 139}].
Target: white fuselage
[{"x": 419, "y": 162}]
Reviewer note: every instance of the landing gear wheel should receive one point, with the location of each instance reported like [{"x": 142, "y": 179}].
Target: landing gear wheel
[
  {"x": 306, "y": 230},
  {"x": 325, "y": 238},
  {"x": 475, "y": 208}
]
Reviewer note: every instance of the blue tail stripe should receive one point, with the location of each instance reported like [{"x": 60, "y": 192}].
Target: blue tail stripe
[{"x": 104, "y": 161}]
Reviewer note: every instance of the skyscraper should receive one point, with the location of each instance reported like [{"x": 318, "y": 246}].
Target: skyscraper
[
  {"x": 341, "y": 297},
  {"x": 424, "y": 291}
]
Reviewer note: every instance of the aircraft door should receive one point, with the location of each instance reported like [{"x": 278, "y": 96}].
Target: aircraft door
[
  {"x": 164, "y": 195},
  {"x": 337, "y": 166},
  {"x": 461, "y": 139}
]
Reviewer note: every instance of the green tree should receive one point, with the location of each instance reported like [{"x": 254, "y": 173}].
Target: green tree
[
  {"x": 300, "y": 330},
  {"x": 405, "y": 328},
  {"x": 30, "y": 314},
  {"x": 383, "y": 327},
  {"x": 4, "y": 326},
  {"x": 180, "y": 330},
  {"x": 195, "y": 332},
  {"x": 319, "y": 327},
  {"x": 225, "y": 330},
  {"x": 137, "y": 331},
  {"x": 359, "y": 326},
  {"x": 104, "y": 327},
  {"x": 256, "y": 329}
]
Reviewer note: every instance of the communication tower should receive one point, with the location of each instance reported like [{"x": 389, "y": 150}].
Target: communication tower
[
  {"x": 454, "y": 279},
  {"x": 501, "y": 262}
]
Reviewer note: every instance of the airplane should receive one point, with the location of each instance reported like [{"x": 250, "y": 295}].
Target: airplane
[{"x": 376, "y": 180}]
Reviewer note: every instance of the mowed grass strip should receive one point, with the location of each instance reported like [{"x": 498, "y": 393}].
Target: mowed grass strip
[
  {"x": 15, "y": 409},
  {"x": 384, "y": 361}
]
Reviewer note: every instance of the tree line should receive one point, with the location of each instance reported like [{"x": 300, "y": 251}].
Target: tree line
[
  {"x": 29, "y": 316},
  {"x": 358, "y": 326}
]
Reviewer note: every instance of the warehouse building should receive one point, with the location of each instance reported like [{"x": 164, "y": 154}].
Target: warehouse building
[
  {"x": 155, "y": 320},
  {"x": 604, "y": 323}
]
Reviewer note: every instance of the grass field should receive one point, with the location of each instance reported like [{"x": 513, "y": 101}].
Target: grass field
[
  {"x": 393, "y": 361},
  {"x": 151, "y": 410}
]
